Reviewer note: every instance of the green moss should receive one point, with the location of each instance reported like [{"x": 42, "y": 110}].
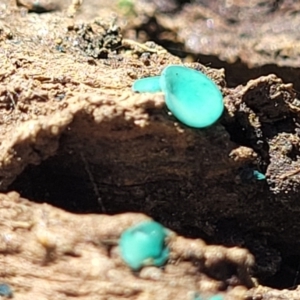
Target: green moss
[{"x": 127, "y": 7}]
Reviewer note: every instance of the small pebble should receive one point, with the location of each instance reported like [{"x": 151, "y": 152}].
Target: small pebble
[
  {"x": 40, "y": 6},
  {"x": 5, "y": 290}
]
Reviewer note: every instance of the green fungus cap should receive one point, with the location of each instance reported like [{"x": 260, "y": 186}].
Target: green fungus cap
[
  {"x": 144, "y": 244},
  {"x": 192, "y": 97}
]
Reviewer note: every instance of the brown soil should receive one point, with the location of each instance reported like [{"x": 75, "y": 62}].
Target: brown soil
[{"x": 74, "y": 135}]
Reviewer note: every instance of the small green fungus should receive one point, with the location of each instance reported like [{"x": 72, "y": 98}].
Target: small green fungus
[
  {"x": 258, "y": 175},
  {"x": 192, "y": 97},
  {"x": 214, "y": 297},
  {"x": 248, "y": 174},
  {"x": 147, "y": 85},
  {"x": 144, "y": 244},
  {"x": 198, "y": 297}
]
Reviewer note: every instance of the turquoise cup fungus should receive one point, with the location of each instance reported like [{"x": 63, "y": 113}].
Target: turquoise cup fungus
[
  {"x": 258, "y": 175},
  {"x": 147, "y": 85},
  {"x": 192, "y": 97},
  {"x": 215, "y": 297},
  {"x": 144, "y": 245}
]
